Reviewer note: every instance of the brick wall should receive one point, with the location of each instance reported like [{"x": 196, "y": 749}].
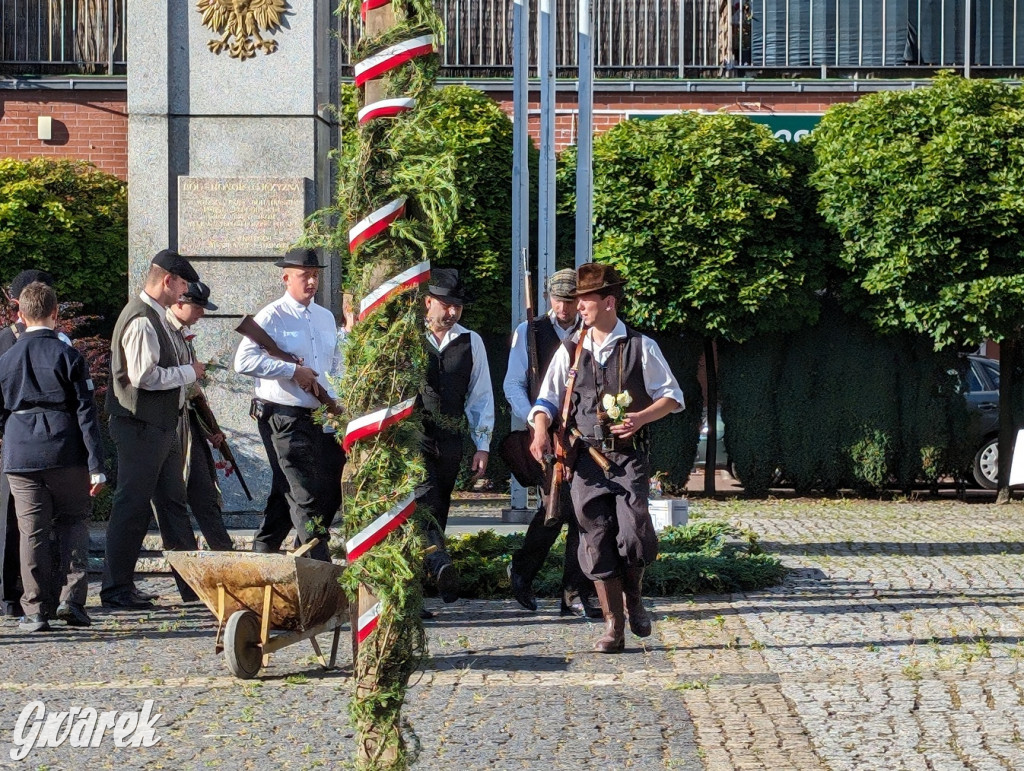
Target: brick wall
[
  {"x": 87, "y": 125},
  {"x": 611, "y": 108}
]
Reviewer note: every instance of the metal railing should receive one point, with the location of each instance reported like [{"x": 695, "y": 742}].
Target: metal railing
[
  {"x": 63, "y": 36},
  {"x": 631, "y": 38}
]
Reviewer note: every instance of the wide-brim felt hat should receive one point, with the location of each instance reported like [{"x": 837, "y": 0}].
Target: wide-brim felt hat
[
  {"x": 595, "y": 277},
  {"x": 446, "y": 286},
  {"x": 175, "y": 264},
  {"x": 299, "y": 258},
  {"x": 198, "y": 293},
  {"x": 27, "y": 277}
]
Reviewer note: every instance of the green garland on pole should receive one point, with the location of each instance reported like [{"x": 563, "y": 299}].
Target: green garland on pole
[{"x": 385, "y": 365}]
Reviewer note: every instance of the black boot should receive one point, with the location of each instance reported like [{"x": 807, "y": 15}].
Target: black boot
[
  {"x": 614, "y": 638},
  {"x": 639, "y": 619}
]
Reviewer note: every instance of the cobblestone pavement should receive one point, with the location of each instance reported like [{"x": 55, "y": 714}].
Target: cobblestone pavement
[{"x": 894, "y": 643}]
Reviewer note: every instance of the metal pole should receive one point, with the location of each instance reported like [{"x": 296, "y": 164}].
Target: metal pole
[
  {"x": 585, "y": 141},
  {"x": 520, "y": 183},
  {"x": 967, "y": 38},
  {"x": 547, "y": 29},
  {"x": 110, "y": 37}
]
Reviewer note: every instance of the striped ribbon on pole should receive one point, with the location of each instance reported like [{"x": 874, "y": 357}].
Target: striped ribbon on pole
[
  {"x": 367, "y": 623},
  {"x": 372, "y": 424},
  {"x": 391, "y": 57},
  {"x": 386, "y": 108},
  {"x": 403, "y": 282},
  {"x": 375, "y": 223},
  {"x": 380, "y": 528}
]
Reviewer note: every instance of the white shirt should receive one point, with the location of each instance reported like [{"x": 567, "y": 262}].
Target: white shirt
[
  {"x": 479, "y": 399},
  {"x": 658, "y": 377},
  {"x": 142, "y": 352},
  {"x": 307, "y": 331},
  {"x": 516, "y": 385}
]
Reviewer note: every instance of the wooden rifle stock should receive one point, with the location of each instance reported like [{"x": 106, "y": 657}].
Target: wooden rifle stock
[
  {"x": 533, "y": 369},
  {"x": 248, "y": 328},
  {"x": 209, "y": 421}
]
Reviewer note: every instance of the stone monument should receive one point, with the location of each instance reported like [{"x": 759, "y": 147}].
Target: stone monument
[{"x": 229, "y": 140}]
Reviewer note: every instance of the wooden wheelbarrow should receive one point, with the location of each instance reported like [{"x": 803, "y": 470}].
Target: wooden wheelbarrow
[{"x": 252, "y": 595}]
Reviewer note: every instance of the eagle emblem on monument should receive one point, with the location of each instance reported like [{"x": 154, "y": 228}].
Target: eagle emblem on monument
[{"x": 242, "y": 20}]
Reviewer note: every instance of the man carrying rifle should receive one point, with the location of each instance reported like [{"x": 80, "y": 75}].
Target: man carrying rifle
[
  {"x": 194, "y": 432},
  {"x": 608, "y": 382},
  {"x": 305, "y": 460},
  {"x": 522, "y": 383}
]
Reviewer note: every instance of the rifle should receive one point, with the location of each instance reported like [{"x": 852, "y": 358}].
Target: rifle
[
  {"x": 533, "y": 368},
  {"x": 209, "y": 422},
  {"x": 562, "y": 467},
  {"x": 248, "y": 328}
]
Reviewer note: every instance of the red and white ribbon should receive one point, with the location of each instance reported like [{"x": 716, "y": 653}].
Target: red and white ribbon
[
  {"x": 391, "y": 57},
  {"x": 404, "y": 281},
  {"x": 367, "y": 623},
  {"x": 386, "y": 108},
  {"x": 380, "y": 528},
  {"x": 375, "y": 422},
  {"x": 369, "y": 5},
  {"x": 376, "y": 223}
]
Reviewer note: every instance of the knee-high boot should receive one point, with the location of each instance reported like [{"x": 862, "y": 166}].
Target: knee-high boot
[
  {"x": 609, "y": 592},
  {"x": 639, "y": 619}
]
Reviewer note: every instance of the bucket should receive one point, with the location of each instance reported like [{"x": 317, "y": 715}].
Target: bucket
[{"x": 668, "y": 512}]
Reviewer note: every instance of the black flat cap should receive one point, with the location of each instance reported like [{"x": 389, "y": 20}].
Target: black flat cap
[
  {"x": 299, "y": 258},
  {"x": 446, "y": 286},
  {"x": 198, "y": 293},
  {"x": 27, "y": 277},
  {"x": 175, "y": 264}
]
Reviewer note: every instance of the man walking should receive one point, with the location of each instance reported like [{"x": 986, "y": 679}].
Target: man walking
[
  {"x": 521, "y": 387},
  {"x": 203, "y": 494},
  {"x": 145, "y": 401},
  {"x": 458, "y": 384},
  {"x": 305, "y": 460},
  {"x": 609, "y": 382}
]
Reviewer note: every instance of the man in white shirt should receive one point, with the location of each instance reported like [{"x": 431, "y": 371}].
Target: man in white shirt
[
  {"x": 620, "y": 383},
  {"x": 458, "y": 384},
  {"x": 305, "y": 460},
  {"x": 145, "y": 401},
  {"x": 549, "y": 332}
]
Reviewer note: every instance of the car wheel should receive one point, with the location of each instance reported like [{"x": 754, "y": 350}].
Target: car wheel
[{"x": 986, "y": 464}]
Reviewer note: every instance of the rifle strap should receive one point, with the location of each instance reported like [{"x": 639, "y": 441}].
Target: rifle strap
[{"x": 570, "y": 384}]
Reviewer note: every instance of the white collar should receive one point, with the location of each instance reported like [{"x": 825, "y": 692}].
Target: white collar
[{"x": 295, "y": 305}]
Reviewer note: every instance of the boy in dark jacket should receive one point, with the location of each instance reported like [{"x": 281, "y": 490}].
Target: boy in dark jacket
[{"x": 53, "y": 459}]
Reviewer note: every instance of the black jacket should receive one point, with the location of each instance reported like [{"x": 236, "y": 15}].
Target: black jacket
[{"x": 47, "y": 413}]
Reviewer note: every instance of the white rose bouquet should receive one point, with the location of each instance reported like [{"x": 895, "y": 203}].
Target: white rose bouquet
[{"x": 615, "y": 406}]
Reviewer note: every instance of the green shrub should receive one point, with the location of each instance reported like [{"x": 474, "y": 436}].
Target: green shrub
[{"x": 68, "y": 218}]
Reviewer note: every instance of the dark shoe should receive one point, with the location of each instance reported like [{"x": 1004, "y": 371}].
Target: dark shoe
[
  {"x": 521, "y": 590},
  {"x": 73, "y": 613},
  {"x": 126, "y": 601},
  {"x": 592, "y": 607},
  {"x": 11, "y": 608},
  {"x": 632, "y": 587},
  {"x": 143, "y": 595},
  {"x": 34, "y": 623},
  {"x": 614, "y": 638},
  {"x": 425, "y": 615},
  {"x": 448, "y": 583},
  {"x": 574, "y": 608}
]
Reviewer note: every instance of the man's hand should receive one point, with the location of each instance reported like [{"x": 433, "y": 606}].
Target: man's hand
[
  {"x": 200, "y": 370},
  {"x": 94, "y": 490},
  {"x": 216, "y": 439},
  {"x": 540, "y": 447},
  {"x": 306, "y": 378},
  {"x": 632, "y": 423},
  {"x": 479, "y": 463}
]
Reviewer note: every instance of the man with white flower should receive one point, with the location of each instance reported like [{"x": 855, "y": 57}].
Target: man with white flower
[{"x": 609, "y": 382}]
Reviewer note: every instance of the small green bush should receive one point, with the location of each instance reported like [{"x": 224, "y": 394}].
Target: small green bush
[{"x": 71, "y": 219}]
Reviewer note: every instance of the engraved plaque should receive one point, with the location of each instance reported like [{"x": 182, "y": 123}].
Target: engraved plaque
[{"x": 239, "y": 216}]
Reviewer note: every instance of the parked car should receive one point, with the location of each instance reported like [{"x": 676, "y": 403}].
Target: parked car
[{"x": 982, "y": 394}]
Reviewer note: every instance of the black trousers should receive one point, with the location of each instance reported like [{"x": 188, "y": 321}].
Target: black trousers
[
  {"x": 615, "y": 524},
  {"x": 442, "y": 459},
  {"x": 201, "y": 488},
  {"x": 53, "y": 501},
  {"x": 529, "y": 559},
  {"x": 306, "y": 465},
  {"x": 10, "y": 560},
  {"x": 150, "y": 477}
]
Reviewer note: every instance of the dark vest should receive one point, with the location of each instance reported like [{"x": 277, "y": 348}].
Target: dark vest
[
  {"x": 9, "y": 336},
  {"x": 547, "y": 344},
  {"x": 623, "y": 371},
  {"x": 159, "y": 408},
  {"x": 444, "y": 393}
]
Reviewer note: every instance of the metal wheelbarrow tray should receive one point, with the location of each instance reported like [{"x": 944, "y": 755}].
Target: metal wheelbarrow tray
[{"x": 252, "y": 595}]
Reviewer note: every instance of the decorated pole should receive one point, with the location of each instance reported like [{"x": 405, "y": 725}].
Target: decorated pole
[{"x": 389, "y": 207}]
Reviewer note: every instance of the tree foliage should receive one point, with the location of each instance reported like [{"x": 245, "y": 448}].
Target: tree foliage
[
  {"x": 926, "y": 191},
  {"x": 71, "y": 219}
]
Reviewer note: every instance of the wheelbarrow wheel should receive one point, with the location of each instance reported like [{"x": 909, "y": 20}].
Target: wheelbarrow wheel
[{"x": 242, "y": 649}]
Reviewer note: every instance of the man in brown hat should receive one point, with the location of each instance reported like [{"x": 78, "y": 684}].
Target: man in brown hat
[
  {"x": 521, "y": 388},
  {"x": 305, "y": 459},
  {"x": 145, "y": 401},
  {"x": 458, "y": 384},
  {"x": 200, "y": 471},
  {"x": 620, "y": 382}
]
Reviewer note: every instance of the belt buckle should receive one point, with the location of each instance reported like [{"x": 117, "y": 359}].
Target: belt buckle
[{"x": 608, "y": 444}]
